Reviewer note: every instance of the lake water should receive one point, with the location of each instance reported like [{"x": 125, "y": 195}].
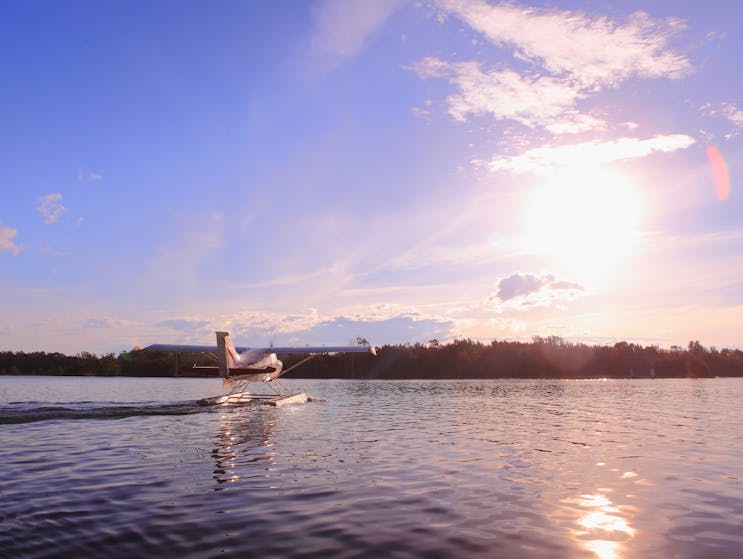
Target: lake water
[{"x": 124, "y": 467}]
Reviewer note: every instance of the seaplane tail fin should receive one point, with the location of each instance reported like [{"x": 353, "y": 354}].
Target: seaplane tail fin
[{"x": 226, "y": 354}]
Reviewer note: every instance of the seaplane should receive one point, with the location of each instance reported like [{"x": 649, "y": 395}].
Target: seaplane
[{"x": 241, "y": 367}]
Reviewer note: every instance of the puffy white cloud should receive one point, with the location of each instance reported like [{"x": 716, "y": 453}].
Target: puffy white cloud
[
  {"x": 545, "y": 159},
  {"x": 50, "y": 207},
  {"x": 523, "y": 290},
  {"x": 6, "y": 241}
]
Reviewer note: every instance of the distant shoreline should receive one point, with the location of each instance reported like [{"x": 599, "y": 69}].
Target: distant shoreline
[
  {"x": 299, "y": 377},
  {"x": 542, "y": 358}
]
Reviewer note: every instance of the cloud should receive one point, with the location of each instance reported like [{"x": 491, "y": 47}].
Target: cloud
[
  {"x": 342, "y": 29},
  {"x": 284, "y": 281},
  {"x": 523, "y": 290},
  {"x": 183, "y": 324},
  {"x": 50, "y": 207},
  {"x": 84, "y": 176},
  {"x": 592, "y": 50},
  {"x": 544, "y": 160},
  {"x": 534, "y": 101},
  {"x": 310, "y": 327},
  {"x": 724, "y": 110},
  {"x": 571, "y": 55},
  {"x": 106, "y": 323},
  {"x": 6, "y": 241},
  {"x": 196, "y": 240},
  {"x": 98, "y": 323},
  {"x": 393, "y": 330},
  {"x": 728, "y": 111}
]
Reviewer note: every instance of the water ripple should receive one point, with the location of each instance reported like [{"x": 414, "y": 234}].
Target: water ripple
[
  {"x": 608, "y": 470},
  {"x": 25, "y": 412}
]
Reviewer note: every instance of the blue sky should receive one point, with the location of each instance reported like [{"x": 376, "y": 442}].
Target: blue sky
[{"x": 310, "y": 172}]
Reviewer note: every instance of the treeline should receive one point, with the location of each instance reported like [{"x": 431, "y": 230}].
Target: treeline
[
  {"x": 133, "y": 364},
  {"x": 550, "y": 357}
]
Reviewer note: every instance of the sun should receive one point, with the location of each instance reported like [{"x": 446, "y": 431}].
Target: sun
[{"x": 585, "y": 218}]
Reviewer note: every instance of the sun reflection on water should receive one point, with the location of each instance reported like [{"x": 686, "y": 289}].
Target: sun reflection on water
[
  {"x": 244, "y": 440},
  {"x": 603, "y": 528}
]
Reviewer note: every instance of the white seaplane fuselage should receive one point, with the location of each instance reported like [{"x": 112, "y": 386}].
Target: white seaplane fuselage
[{"x": 242, "y": 366}]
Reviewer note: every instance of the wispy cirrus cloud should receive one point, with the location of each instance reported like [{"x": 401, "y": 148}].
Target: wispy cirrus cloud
[
  {"x": 342, "y": 29},
  {"x": 728, "y": 111},
  {"x": 594, "y": 51},
  {"x": 523, "y": 291},
  {"x": 7, "y": 244},
  {"x": 571, "y": 55},
  {"x": 534, "y": 101},
  {"x": 545, "y": 159},
  {"x": 95, "y": 323},
  {"x": 50, "y": 207},
  {"x": 182, "y": 324},
  {"x": 85, "y": 176},
  {"x": 103, "y": 323},
  {"x": 178, "y": 259}
]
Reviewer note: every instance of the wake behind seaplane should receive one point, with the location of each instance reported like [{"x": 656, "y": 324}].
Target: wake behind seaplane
[{"x": 242, "y": 366}]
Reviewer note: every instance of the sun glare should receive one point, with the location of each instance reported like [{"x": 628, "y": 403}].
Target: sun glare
[{"x": 586, "y": 218}]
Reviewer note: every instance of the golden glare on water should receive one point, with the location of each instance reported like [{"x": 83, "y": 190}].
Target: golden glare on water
[
  {"x": 602, "y": 527},
  {"x": 587, "y": 218}
]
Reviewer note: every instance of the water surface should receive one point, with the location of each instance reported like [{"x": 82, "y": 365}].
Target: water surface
[{"x": 600, "y": 469}]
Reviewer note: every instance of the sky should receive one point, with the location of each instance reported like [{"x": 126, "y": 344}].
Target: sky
[{"x": 313, "y": 172}]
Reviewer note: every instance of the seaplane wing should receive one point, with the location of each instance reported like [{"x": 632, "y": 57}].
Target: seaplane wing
[
  {"x": 308, "y": 350},
  {"x": 257, "y": 364},
  {"x": 315, "y": 350}
]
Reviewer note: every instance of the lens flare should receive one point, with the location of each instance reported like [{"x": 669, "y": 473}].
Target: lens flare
[{"x": 720, "y": 173}]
